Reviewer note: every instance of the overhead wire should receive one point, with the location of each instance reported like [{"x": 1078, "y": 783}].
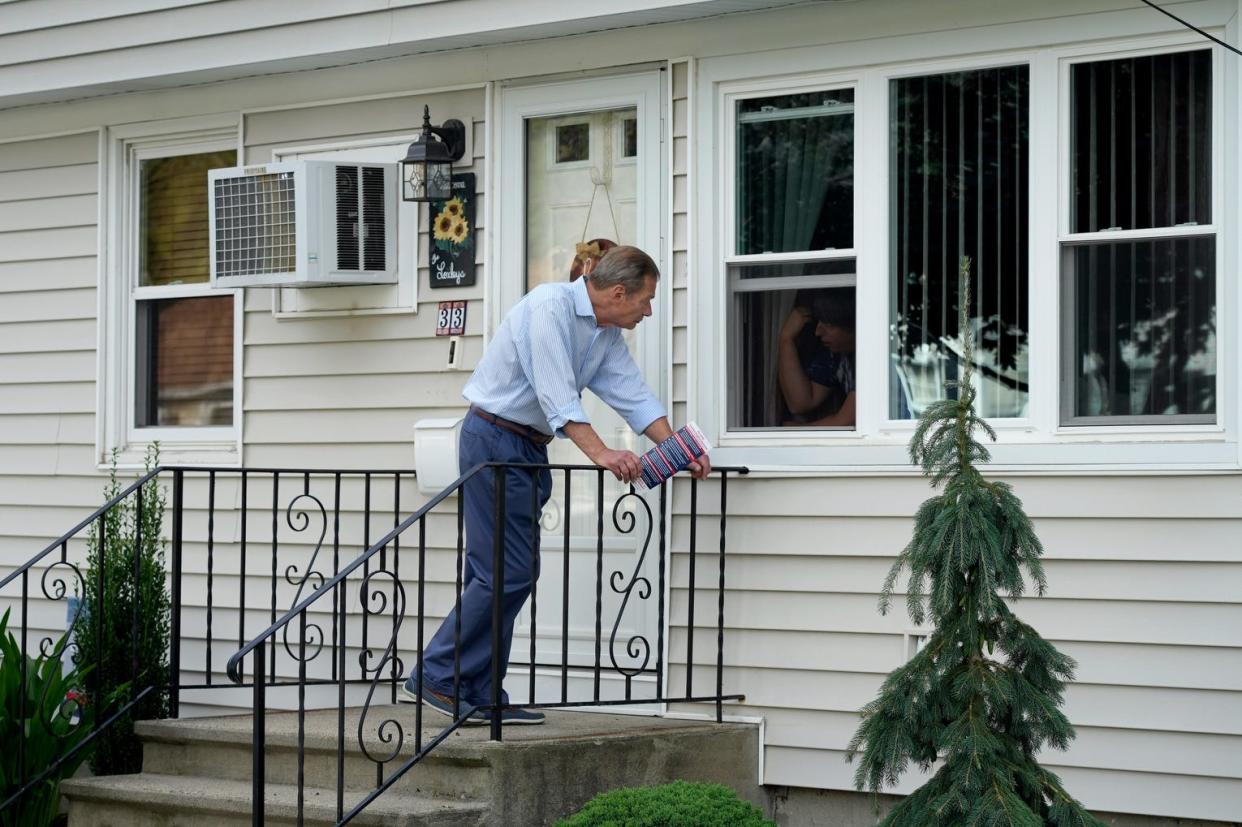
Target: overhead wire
[{"x": 1189, "y": 25}]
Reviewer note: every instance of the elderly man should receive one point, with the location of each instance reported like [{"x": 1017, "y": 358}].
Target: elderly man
[{"x": 527, "y": 388}]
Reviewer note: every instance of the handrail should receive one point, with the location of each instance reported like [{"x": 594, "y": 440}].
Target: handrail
[
  {"x": 69, "y": 535},
  {"x": 235, "y": 661},
  {"x": 234, "y": 665}
]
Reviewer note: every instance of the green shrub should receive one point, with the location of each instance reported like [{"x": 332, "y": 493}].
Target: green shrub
[
  {"x": 680, "y": 804},
  {"x": 112, "y": 652},
  {"x": 49, "y": 725}
]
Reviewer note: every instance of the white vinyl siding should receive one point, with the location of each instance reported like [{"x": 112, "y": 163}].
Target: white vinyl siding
[
  {"x": 1143, "y": 565},
  {"x": 1142, "y": 579},
  {"x": 48, "y": 214}
]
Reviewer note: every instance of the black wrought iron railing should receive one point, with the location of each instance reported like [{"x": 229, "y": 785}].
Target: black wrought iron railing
[
  {"x": 621, "y": 656},
  {"x": 239, "y": 547},
  {"x": 340, "y": 582}
]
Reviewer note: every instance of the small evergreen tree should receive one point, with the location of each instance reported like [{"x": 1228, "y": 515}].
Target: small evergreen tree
[
  {"x": 983, "y": 695},
  {"x": 111, "y": 651}
]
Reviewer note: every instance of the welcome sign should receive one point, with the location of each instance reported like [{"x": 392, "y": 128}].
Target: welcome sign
[{"x": 452, "y": 233}]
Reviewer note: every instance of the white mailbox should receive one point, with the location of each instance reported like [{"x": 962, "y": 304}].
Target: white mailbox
[{"x": 435, "y": 453}]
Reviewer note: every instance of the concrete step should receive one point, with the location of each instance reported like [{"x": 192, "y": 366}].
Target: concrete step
[
  {"x": 155, "y": 800},
  {"x": 221, "y": 747},
  {"x": 537, "y": 775}
]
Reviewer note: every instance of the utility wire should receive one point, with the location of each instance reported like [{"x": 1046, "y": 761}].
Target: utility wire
[{"x": 1191, "y": 26}]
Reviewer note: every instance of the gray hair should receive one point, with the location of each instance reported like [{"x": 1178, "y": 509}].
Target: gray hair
[{"x": 626, "y": 266}]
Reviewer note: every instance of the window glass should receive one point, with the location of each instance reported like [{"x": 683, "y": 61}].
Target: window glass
[
  {"x": 1141, "y": 142},
  {"x": 573, "y": 143},
  {"x": 1140, "y": 329},
  {"x": 185, "y": 362},
  {"x": 795, "y": 172},
  {"x": 174, "y": 217},
  {"x": 183, "y": 345},
  {"x": 1145, "y": 328},
  {"x": 576, "y": 212},
  {"x": 794, "y": 360},
  {"x": 959, "y": 188},
  {"x": 791, "y": 360}
]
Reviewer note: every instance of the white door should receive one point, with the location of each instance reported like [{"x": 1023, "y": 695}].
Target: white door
[{"x": 581, "y": 161}]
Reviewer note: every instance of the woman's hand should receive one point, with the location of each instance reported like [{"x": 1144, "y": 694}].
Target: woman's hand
[{"x": 799, "y": 317}]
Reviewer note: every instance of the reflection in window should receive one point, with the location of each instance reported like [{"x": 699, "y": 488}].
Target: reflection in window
[
  {"x": 174, "y": 217},
  {"x": 185, "y": 362},
  {"x": 629, "y": 138},
  {"x": 573, "y": 143},
  {"x": 959, "y": 188},
  {"x": 793, "y": 352},
  {"x": 795, "y": 194},
  {"x": 1141, "y": 142},
  {"x": 795, "y": 172},
  {"x": 183, "y": 343},
  {"x": 1141, "y": 326},
  {"x": 1145, "y": 328}
]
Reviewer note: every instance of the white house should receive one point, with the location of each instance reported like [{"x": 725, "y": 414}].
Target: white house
[{"x": 769, "y": 155}]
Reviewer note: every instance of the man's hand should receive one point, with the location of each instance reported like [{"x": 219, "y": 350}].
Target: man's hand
[
  {"x": 700, "y": 468},
  {"x": 624, "y": 465},
  {"x": 798, "y": 318}
]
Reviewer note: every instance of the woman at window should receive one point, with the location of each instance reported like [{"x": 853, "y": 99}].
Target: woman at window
[{"x": 819, "y": 391}]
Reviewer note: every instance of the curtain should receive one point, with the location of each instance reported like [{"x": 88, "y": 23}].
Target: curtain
[{"x": 795, "y": 193}]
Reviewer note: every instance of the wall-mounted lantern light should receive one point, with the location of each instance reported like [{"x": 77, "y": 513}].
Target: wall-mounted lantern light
[{"x": 427, "y": 169}]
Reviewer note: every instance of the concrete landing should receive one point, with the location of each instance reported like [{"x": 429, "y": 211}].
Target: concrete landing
[{"x": 197, "y": 771}]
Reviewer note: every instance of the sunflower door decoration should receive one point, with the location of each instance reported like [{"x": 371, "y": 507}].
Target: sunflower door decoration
[{"x": 452, "y": 236}]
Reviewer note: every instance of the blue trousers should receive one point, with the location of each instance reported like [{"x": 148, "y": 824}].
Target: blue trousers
[{"x": 526, "y": 492}]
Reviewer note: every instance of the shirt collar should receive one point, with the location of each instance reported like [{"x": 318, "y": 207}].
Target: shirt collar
[{"x": 582, "y": 299}]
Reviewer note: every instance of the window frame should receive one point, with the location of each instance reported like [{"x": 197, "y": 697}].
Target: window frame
[
  {"x": 732, "y": 94},
  {"x": 1068, "y": 241},
  {"x": 124, "y": 148},
  {"x": 1036, "y": 444}
]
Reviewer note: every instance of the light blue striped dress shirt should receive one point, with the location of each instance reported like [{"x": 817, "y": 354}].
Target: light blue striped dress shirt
[{"x": 547, "y": 350}]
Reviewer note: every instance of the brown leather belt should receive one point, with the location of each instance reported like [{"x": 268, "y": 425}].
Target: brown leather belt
[{"x": 525, "y": 431}]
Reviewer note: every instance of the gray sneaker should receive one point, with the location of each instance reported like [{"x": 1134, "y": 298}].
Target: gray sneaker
[{"x": 517, "y": 715}]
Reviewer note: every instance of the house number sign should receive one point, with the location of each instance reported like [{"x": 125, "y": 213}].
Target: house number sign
[{"x": 451, "y": 319}]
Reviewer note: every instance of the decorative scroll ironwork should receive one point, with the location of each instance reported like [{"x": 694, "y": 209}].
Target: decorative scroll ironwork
[
  {"x": 375, "y": 602},
  {"x": 315, "y": 634},
  {"x": 72, "y": 705},
  {"x": 625, "y": 522},
  {"x": 59, "y": 591}
]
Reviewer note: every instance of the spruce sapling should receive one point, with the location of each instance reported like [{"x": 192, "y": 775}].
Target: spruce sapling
[{"x": 983, "y": 696}]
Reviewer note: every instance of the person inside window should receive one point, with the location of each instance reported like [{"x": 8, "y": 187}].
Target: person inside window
[{"x": 818, "y": 386}]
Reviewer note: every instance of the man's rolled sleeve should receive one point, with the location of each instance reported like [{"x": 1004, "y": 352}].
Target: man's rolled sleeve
[
  {"x": 548, "y": 366},
  {"x": 620, "y": 384}
]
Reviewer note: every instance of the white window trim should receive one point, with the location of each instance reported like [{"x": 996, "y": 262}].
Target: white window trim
[
  {"x": 1036, "y": 444},
  {"x": 122, "y": 148}
]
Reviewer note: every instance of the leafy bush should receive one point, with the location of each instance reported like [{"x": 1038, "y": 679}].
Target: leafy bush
[
  {"x": 114, "y": 649},
  {"x": 680, "y": 804},
  {"x": 50, "y": 724}
]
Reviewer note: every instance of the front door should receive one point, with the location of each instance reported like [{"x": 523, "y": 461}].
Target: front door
[{"x": 580, "y": 164}]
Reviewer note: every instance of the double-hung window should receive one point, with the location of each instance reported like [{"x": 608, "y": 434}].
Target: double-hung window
[
  {"x": 183, "y": 331},
  {"x": 792, "y": 268},
  {"x": 1083, "y": 188},
  {"x": 168, "y": 340},
  {"x": 1139, "y": 257}
]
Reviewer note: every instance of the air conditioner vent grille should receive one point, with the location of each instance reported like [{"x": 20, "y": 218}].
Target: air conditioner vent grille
[
  {"x": 375, "y": 242},
  {"x": 347, "y": 228},
  {"x": 256, "y": 228}
]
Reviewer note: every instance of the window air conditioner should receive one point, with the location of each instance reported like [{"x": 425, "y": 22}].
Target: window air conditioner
[{"x": 303, "y": 224}]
